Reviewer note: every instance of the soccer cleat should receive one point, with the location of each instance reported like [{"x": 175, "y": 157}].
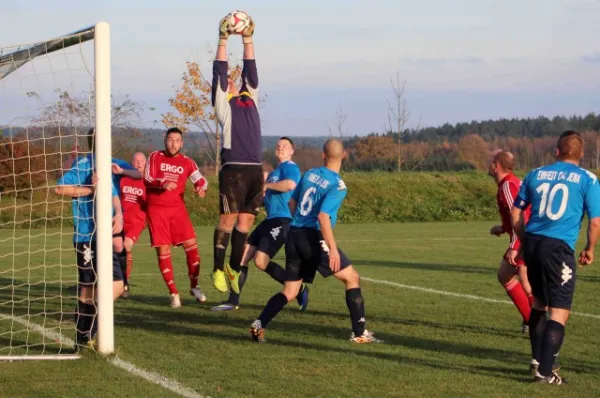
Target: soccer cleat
[
  {"x": 366, "y": 337},
  {"x": 257, "y": 331},
  {"x": 225, "y": 307},
  {"x": 200, "y": 297},
  {"x": 234, "y": 278},
  {"x": 534, "y": 366},
  {"x": 175, "y": 301},
  {"x": 525, "y": 329},
  {"x": 302, "y": 298},
  {"x": 219, "y": 281},
  {"x": 125, "y": 292},
  {"x": 553, "y": 379}
]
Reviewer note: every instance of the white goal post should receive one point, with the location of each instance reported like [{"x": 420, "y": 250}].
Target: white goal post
[{"x": 38, "y": 267}]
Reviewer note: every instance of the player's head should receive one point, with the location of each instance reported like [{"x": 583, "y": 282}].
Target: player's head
[
  {"x": 502, "y": 163},
  {"x": 570, "y": 146},
  {"x": 232, "y": 88},
  {"x": 284, "y": 150},
  {"x": 173, "y": 141},
  {"x": 139, "y": 161},
  {"x": 333, "y": 153}
]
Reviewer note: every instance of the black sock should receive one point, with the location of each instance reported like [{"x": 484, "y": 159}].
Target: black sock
[
  {"x": 221, "y": 241},
  {"x": 551, "y": 343},
  {"x": 234, "y": 298},
  {"x": 238, "y": 242},
  {"x": 274, "y": 305},
  {"x": 122, "y": 258},
  {"x": 356, "y": 305},
  {"x": 276, "y": 272},
  {"x": 85, "y": 318},
  {"x": 537, "y": 325}
]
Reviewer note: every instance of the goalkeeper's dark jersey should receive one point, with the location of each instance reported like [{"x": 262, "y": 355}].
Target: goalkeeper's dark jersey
[{"x": 238, "y": 116}]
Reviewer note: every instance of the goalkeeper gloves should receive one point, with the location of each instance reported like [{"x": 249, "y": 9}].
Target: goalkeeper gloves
[
  {"x": 224, "y": 28},
  {"x": 249, "y": 31}
]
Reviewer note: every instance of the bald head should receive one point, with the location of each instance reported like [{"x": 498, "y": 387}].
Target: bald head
[
  {"x": 333, "y": 150},
  {"x": 139, "y": 161},
  {"x": 570, "y": 146},
  {"x": 505, "y": 159}
]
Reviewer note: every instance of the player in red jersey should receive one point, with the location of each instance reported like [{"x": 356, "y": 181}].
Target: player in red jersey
[
  {"x": 518, "y": 289},
  {"x": 168, "y": 220},
  {"x": 133, "y": 198}
]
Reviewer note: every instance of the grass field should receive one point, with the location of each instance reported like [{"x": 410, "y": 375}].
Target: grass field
[{"x": 435, "y": 344}]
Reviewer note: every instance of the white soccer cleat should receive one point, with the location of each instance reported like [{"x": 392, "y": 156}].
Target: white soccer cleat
[
  {"x": 200, "y": 297},
  {"x": 175, "y": 301},
  {"x": 367, "y": 337}
]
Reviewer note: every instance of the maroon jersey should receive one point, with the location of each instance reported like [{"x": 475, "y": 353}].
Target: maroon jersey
[
  {"x": 508, "y": 189},
  {"x": 162, "y": 168},
  {"x": 133, "y": 198}
]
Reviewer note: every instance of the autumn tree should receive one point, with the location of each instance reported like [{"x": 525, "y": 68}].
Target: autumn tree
[
  {"x": 193, "y": 107},
  {"x": 474, "y": 150}
]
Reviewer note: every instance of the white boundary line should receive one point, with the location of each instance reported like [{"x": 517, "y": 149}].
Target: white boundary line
[
  {"x": 152, "y": 377},
  {"x": 459, "y": 295}
]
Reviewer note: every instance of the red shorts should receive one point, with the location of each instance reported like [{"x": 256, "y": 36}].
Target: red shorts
[
  {"x": 169, "y": 226},
  {"x": 133, "y": 228}
]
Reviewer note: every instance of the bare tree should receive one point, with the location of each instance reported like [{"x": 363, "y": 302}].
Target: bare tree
[
  {"x": 341, "y": 118},
  {"x": 398, "y": 114}
]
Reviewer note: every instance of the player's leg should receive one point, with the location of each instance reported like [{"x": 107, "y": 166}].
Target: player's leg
[
  {"x": 132, "y": 231},
  {"x": 229, "y": 186},
  {"x": 233, "y": 301},
  {"x": 522, "y": 272},
  {"x": 514, "y": 289},
  {"x": 354, "y": 298},
  {"x": 559, "y": 281},
  {"x": 193, "y": 264},
  {"x": 128, "y": 243},
  {"x": 86, "y": 310},
  {"x": 121, "y": 255}
]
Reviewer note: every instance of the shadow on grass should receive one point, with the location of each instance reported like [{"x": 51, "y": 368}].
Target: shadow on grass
[{"x": 201, "y": 324}]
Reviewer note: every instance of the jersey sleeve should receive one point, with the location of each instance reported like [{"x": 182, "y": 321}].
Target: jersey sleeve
[
  {"x": 151, "y": 172},
  {"x": 71, "y": 177},
  {"x": 523, "y": 200},
  {"x": 250, "y": 79},
  {"x": 333, "y": 199},
  {"x": 291, "y": 172},
  {"x": 195, "y": 176},
  {"x": 592, "y": 198},
  {"x": 220, "y": 96},
  {"x": 123, "y": 164}
]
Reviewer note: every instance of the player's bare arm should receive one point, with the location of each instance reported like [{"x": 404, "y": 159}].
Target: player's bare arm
[
  {"x": 281, "y": 186},
  {"x": 497, "y": 230},
  {"x": 292, "y": 205},
  {"x": 327, "y": 231},
  {"x": 118, "y": 217},
  {"x": 586, "y": 257},
  {"x": 74, "y": 191},
  {"x": 518, "y": 222},
  {"x": 133, "y": 174}
]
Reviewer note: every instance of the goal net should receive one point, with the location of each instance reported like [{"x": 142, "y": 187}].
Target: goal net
[{"x": 51, "y": 93}]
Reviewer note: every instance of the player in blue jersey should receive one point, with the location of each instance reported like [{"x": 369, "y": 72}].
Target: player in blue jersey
[
  {"x": 79, "y": 183},
  {"x": 270, "y": 235},
  {"x": 240, "y": 177},
  {"x": 311, "y": 245},
  {"x": 560, "y": 195}
]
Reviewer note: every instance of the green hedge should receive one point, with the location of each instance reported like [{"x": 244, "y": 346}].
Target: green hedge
[{"x": 373, "y": 197}]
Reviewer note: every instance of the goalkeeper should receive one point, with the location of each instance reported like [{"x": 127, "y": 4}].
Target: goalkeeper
[{"x": 240, "y": 178}]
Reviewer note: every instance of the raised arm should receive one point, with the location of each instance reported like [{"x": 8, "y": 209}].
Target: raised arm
[
  {"x": 200, "y": 183},
  {"x": 249, "y": 72},
  {"x": 151, "y": 172},
  {"x": 125, "y": 169}
]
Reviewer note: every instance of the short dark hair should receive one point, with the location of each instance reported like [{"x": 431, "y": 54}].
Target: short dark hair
[
  {"x": 173, "y": 130},
  {"x": 570, "y": 145},
  {"x": 289, "y": 140}
]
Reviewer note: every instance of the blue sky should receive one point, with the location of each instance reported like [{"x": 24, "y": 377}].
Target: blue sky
[{"x": 462, "y": 60}]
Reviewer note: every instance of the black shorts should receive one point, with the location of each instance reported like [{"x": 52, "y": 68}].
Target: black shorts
[
  {"x": 240, "y": 189},
  {"x": 270, "y": 235},
  {"x": 86, "y": 264},
  {"x": 551, "y": 270},
  {"x": 306, "y": 253}
]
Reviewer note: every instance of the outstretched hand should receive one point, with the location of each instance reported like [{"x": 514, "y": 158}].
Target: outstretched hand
[
  {"x": 249, "y": 31},
  {"x": 224, "y": 28}
]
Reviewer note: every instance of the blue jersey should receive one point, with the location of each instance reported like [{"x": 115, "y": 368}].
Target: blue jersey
[
  {"x": 276, "y": 202},
  {"x": 83, "y": 207},
  {"x": 560, "y": 194},
  {"x": 319, "y": 190},
  {"x": 116, "y": 177}
]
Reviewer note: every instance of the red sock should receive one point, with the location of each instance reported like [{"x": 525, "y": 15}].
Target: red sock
[
  {"x": 193, "y": 264},
  {"x": 129, "y": 265},
  {"x": 166, "y": 268},
  {"x": 530, "y": 298},
  {"x": 517, "y": 294}
]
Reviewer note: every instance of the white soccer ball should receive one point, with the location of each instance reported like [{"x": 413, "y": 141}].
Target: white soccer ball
[{"x": 238, "y": 21}]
